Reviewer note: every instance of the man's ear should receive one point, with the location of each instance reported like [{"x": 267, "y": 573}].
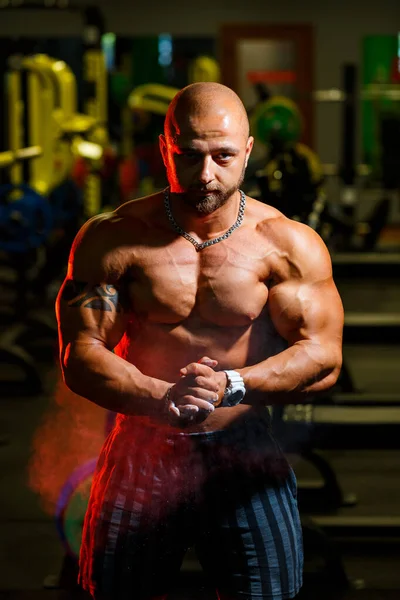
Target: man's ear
[
  {"x": 249, "y": 148},
  {"x": 163, "y": 148}
]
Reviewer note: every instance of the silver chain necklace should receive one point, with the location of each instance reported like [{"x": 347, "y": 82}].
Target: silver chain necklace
[{"x": 188, "y": 237}]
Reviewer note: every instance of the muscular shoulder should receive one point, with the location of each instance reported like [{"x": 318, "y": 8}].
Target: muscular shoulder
[
  {"x": 104, "y": 246},
  {"x": 142, "y": 210},
  {"x": 296, "y": 250}
]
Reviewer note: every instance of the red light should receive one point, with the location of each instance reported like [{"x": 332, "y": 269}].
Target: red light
[{"x": 271, "y": 76}]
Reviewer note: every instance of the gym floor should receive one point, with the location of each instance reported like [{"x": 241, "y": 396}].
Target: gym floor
[{"x": 31, "y": 553}]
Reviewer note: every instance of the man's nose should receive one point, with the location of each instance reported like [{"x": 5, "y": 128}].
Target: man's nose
[{"x": 206, "y": 169}]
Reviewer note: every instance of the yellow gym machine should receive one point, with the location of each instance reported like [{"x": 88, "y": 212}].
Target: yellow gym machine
[
  {"x": 204, "y": 68},
  {"x": 25, "y": 217},
  {"x": 96, "y": 107},
  {"x": 54, "y": 123},
  {"x": 147, "y": 98}
]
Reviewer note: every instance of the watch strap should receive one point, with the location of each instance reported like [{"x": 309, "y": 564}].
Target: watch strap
[{"x": 235, "y": 380}]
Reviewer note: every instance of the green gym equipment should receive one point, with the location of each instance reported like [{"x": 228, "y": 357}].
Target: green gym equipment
[{"x": 277, "y": 119}]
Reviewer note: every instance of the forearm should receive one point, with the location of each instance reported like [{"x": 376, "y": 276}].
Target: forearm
[
  {"x": 304, "y": 369},
  {"x": 96, "y": 373}
]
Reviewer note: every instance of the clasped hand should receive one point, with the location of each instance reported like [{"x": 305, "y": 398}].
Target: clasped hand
[{"x": 197, "y": 393}]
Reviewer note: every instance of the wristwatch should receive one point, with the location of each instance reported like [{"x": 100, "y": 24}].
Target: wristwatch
[{"x": 235, "y": 390}]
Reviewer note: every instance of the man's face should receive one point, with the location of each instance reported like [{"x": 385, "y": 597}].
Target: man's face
[{"x": 206, "y": 159}]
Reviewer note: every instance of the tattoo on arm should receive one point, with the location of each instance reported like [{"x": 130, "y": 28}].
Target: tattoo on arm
[{"x": 98, "y": 297}]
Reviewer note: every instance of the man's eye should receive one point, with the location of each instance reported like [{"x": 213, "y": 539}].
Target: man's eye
[{"x": 223, "y": 156}]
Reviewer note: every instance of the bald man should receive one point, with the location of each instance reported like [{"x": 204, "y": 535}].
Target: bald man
[{"x": 188, "y": 313}]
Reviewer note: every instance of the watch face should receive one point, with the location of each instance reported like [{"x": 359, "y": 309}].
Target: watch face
[{"x": 235, "y": 398}]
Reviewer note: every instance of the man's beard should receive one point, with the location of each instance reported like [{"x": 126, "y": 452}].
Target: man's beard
[{"x": 208, "y": 204}]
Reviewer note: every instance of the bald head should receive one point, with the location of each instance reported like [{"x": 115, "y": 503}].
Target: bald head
[
  {"x": 199, "y": 101},
  {"x": 206, "y": 145}
]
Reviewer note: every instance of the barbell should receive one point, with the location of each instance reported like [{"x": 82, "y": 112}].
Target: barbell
[
  {"x": 374, "y": 91},
  {"x": 9, "y": 157}
]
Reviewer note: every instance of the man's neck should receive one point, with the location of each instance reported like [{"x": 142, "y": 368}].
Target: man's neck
[{"x": 204, "y": 227}]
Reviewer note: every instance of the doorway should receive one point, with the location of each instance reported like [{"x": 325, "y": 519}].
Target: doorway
[{"x": 277, "y": 58}]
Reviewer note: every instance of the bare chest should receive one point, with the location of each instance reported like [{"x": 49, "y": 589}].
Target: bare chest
[{"x": 223, "y": 284}]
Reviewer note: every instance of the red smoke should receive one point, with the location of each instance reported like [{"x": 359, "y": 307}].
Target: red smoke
[{"x": 72, "y": 431}]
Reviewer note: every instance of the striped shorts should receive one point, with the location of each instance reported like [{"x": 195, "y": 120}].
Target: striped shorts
[{"x": 230, "y": 494}]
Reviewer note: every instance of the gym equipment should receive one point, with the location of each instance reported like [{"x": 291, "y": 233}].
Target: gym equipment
[
  {"x": 390, "y": 155},
  {"x": 342, "y": 421},
  {"x": 20, "y": 373},
  {"x": 323, "y": 565},
  {"x": 41, "y": 126},
  {"x": 129, "y": 177},
  {"x": 339, "y": 421},
  {"x": 347, "y": 170},
  {"x": 291, "y": 181},
  {"x": 22, "y": 376},
  {"x": 380, "y": 66},
  {"x": 371, "y": 328},
  {"x": 292, "y": 178},
  {"x": 152, "y": 97},
  {"x": 377, "y": 98},
  {"x": 204, "y": 68},
  {"x": 384, "y": 527},
  {"x": 26, "y": 221},
  {"x": 66, "y": 203},
  {"x": 69, "y": 125},
  {"x": 276, "y": 120},
  {"x": 10, "y": 158},
  {"x": 53, "y": 122},
  {"x": 370, "y": 92},
  {"x": 63, "y": 140},
  {"x": 61, "y": 131},
  {"x": 366, "y": 265},
  {"x": 372, "y": 228},
  {"x": 25, "y": 218},
  {"x": 96, "y": 106},
  {"x": 25, "y": 224},
  {"x": 338, "y": 226},
  {"x": 359, "y": 417},
  {"x": 17, "y": 350}
]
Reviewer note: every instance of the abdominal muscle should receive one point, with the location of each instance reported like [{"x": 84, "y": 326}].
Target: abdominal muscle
[{"x": 161, "y": 350}]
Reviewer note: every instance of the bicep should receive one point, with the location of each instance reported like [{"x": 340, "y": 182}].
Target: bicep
[
  {"x": 307, "y": 310},
  {"x": 90, "y": 314},
  {"x": 92, "y": 304},
  {"x": 304, "y": 303}
]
